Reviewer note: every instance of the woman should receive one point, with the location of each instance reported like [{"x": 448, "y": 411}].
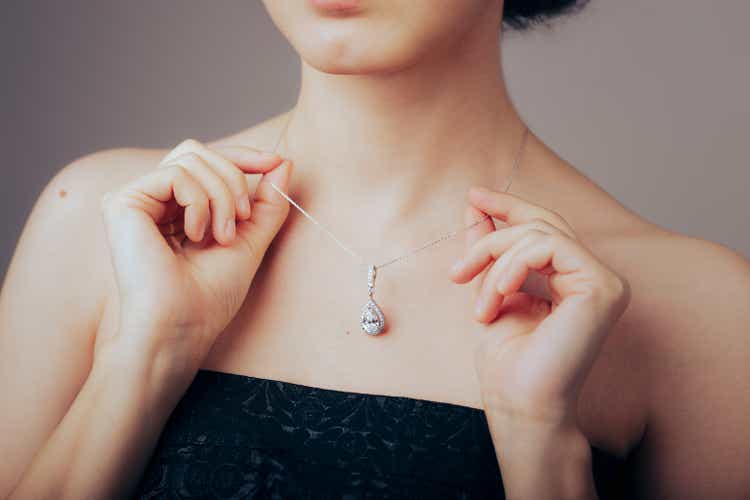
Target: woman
[{"x": 193, "y": 334}]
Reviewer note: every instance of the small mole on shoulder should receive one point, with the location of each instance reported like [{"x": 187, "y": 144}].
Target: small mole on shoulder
[{"x": 62, "y": 193}]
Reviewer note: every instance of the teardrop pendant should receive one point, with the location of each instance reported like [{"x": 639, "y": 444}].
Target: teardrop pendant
[{"x": 372, "y": 319}]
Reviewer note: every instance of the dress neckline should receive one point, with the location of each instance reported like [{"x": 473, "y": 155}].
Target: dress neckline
[
  {"x": 233, "y": 434},
  {"x": 342, "y": 392},
  {"x": 476, "y": 412}
]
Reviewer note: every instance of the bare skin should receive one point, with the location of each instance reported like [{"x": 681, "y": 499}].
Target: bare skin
[
  {"x": 632, "y": 387},
  {"x": 670, "y": 388}
]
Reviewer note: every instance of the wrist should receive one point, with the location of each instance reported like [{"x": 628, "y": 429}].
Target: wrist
[
  {"x": 136, "y": 358},
  {"x": 542, "y": 460}
]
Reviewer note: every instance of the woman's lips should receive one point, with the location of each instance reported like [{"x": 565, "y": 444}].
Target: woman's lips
[{"x": 336, "y": 6}]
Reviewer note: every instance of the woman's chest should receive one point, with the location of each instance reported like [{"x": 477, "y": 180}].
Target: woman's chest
[{"x": 301, "y": 323}]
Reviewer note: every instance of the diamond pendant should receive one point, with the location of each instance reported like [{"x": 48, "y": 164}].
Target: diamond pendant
[{"x": 372, "y": 319}]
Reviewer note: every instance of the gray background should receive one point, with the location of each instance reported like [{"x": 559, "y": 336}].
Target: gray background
[{"x": 647, "y": 98}]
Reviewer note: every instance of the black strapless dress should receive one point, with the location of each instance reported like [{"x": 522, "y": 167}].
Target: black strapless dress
[{"x": 235, "y": 437}]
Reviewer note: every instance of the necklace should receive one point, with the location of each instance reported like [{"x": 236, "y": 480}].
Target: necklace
[{"x": 372, "y": 319}]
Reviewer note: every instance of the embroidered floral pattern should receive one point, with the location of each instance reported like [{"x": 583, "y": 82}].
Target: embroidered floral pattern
[{"x": 238, "y": 437}]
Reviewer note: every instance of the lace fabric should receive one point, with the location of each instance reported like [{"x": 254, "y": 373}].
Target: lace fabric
[{"x": 237, "y": 437}]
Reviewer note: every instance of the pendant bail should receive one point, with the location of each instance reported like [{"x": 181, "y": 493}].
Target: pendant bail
[{"x": 372, "y": 272}]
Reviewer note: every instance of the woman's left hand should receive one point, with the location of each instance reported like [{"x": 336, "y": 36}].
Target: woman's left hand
[{"x": 536, "y": 356}]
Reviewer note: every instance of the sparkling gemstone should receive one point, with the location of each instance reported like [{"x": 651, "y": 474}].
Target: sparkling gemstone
[{"x": 372, "y": 320}]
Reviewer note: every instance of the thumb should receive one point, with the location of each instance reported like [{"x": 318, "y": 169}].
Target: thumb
[{"x": 269, "y": 208}]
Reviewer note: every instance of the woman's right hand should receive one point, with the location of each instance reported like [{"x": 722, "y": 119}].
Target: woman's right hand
[{"x": 178, "y": 292}]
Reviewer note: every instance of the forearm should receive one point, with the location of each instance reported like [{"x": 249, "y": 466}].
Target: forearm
[
  {"x": 541, "y": 462},
  {"x": 101, "y": 446}
]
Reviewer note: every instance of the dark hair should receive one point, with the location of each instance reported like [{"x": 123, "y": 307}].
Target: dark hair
[{"x": 524, "y": 14}]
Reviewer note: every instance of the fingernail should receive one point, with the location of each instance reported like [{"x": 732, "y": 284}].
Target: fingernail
[
  {"x": 269, "y": 155},
  {"x": 503, "y": 282},
  {"x": 456, "y": 267},
  {"x": 481, "y": 304},
  {"x": 202, "y": 228},
  {"x": 244, "y": 204},
  {"x": 229, "y": 228}
]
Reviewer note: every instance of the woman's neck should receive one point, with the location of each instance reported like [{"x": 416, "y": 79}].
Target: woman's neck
[{"x": 399, "y": 144}]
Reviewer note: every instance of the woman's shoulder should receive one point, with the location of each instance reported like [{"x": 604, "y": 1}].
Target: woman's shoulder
[
  {"x": 63, "y": 241},
  {"x": 59, "y": 277},
  {"x": 95, "y": 173},
  {"x": 83, "y": 181},
  {"x": 681, "y": 348},
  {"x": 66, "y": 217},
  {"x": 695, "y": 294},
  {"x": 99, "y": 171},
  {"x": 672, "y": 269},
  {"x": 690, "y": 329},
  {"x": 685, "y": 289},
  {"x": 684, "y": 337}
]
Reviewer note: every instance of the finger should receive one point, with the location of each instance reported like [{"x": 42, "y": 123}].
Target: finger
[
  {"x": 529, "y": 255},
  {"x": 173, "y": 211},
  {"x": 189, "y": 193},
  {"x": 475, "y": 233},
  {"x": 573, "y": 269},
  {"x": 152, "y": 192},
  {"x": 250, "y": 160},
  {"x": 514, "y": 210},
  {"x": 177, "y": 183},
  {"x": 490, "y": 300},
  {"x": 491, "y": 246},
  {"x": 172, "y": 227},
  {"x": 233, "y": 177},
  {"x": 137, "y": 206},
  {"x": 590, "y": 298},
  {"x": 221, "y": 200},
  {"x": 269, "y": 208},
  {"x": 230, "y": 171}
]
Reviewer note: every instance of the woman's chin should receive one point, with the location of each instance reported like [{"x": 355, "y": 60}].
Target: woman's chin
[
  {"x": 350, "y": 62},
  {"x": 349, "y": 67}
]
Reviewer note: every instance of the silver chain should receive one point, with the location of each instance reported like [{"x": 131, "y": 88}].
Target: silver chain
[{"x": 514, "y": 169}]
